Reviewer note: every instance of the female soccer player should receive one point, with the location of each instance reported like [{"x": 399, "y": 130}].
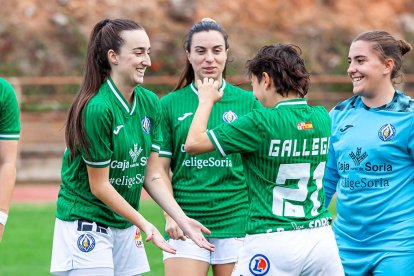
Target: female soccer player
[
  {"x": 112, "y": 137},
  {"x": 209, "y": 188},
  {"x": 371, "y": 162},
  {"x": 284, "y": 149},
  {"x": 9, "y": 136}
]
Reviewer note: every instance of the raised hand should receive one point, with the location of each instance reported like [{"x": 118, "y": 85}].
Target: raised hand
[{"x": 208, "y": 90}]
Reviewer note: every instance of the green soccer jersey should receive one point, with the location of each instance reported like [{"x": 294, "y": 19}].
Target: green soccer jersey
[
  {"x": 284, "y": 151},
  {"x": 209, "y": 188},
  {"x": 121, "y": 137},
  {"x": 9, "y": 112}
]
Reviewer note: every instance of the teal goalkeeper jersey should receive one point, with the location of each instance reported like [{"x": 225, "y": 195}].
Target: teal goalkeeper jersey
[
  {"x": 284, "y": 151},
  {"x": 9, "y": 112},
  {"x": 121, "y": 137},
  {"x": 208, "y": 187}
]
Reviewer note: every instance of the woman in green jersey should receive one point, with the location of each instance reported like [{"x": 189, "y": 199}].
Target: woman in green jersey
[
  {"x": 284, "y": 149},
  {"x": 113, "y": 137},
  {"x": 9, "y": 136},
  {"x": 209, "y": 188}
]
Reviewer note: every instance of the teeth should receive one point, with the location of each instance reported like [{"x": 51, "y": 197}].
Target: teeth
[{"x": 357, "y": 79}]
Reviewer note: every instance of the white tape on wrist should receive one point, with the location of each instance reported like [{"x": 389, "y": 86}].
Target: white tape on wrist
[{"x": 3, "y": 218}]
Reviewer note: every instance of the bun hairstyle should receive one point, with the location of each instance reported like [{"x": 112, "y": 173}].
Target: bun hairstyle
[{"x": 387, "y": 47}]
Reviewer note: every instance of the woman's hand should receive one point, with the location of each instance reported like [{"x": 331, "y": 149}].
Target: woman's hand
[
  {"x": 208, "y": 91},
  {"x": 155, "y": 236}
]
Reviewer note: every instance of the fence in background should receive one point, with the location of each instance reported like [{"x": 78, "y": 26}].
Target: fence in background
[{"x": 44, "y": 102}]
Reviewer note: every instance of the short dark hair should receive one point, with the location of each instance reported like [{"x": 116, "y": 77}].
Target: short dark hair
[{"x": 282, "y": 62}]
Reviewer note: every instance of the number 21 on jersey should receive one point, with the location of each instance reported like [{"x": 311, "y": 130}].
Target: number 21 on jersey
[{"x": 283, "y": 196}]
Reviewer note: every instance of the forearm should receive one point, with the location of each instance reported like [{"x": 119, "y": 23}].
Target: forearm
[
  {"x": 161, "y": 191},
  {"x": 108, "y": 195},
  {"x": 197, "y": 140},
  {"x": 7, "y": 182}
]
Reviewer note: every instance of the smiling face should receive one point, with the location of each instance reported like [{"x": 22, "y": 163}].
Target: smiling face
[
  {"x": 208, "y": 55},
  {"x": 368, "y": 71},
  {"x": 130, "y": 63}
]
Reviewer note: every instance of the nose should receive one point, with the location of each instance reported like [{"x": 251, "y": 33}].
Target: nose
[
  {"x": 209, "y": 56},
  {"x": 351, "y": 68},
  {"x": 147, "y": 61}
]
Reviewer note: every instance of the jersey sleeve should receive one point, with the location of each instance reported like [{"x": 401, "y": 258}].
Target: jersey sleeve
[
  {"x": 166, "y": 145},
  {"x": 97, "y": 122},
  {"x": 156, "y": 134},
  {"x": 331, "y": 175},
  {"x": 243, "y": 135},
  {"x": 9, "y": 113}
]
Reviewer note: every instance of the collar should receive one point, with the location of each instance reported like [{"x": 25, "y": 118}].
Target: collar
[
  {"x": 120, "y": 99},
  {"x": 195, "y": 90},
  {"x": 298, "y": 101}
]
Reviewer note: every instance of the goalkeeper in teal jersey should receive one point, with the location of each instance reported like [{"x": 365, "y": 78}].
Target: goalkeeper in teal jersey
[
  {"x": 209, "y": 188},
  {"x": 284, "y": 149},
  {"x": 113, "y": 138},
  {"x": 9, "y": 136},
  {"x": 371, "y": 162}
]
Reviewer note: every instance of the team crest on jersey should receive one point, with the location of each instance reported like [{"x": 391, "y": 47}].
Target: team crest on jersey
[
  {"x": 138, "y": 239},
  {"x": 86, "y": 243},
  {"x": 146, "y": 125},
  {"x": 259, "y": 265},
  {"x": 387, "y": 132},
  {"x": 229, "y": 116},
  {"x": 304, "y": 126}
]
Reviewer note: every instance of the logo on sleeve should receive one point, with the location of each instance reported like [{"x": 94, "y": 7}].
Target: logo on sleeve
[
  {"x": 229, "y": 116},
  {"x": 259, "y": 265},
  {"x": 387, "y": 132},
  {"x": 118, "y": 128},
  {"x": 146, "y": 125},
  {"x": 304, "y": 126},
  {"x": 185, "y": 115},
  {"x": 86, "y": 243}
]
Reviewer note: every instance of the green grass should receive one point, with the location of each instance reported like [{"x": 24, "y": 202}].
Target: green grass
[{"x": 27, "y": 241}]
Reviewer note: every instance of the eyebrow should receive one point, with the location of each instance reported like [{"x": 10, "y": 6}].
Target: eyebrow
[
  {"x": 140, "y": 48},
  {"x": 359, "y": 56}
]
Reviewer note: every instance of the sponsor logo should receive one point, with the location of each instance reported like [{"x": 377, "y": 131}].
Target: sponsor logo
[
  {"x": 135, "y": 152},
  {"x": 345, "y": 128},
  {"x": 185, "y": 115},
  {"x": 363, "y": 183},
  {"x": 86, "y": 243},
  {"x": 229, "y": 116},
  {"x": 146, "y": 125},
  {"x": 138, "y": 179},
  {"x": 138, "y": 239},
  {"x": 387, "y": 132},
  {"x": 259, "y": 265},
  {"x": 210, "y": 162},
  {"x": 118, "y": 129},
  {"x": 304, "y": 126},
  {"x": 358, "y": 156}
]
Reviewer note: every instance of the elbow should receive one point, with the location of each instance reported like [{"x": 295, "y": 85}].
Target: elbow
[{"x": 190, "y": 148}]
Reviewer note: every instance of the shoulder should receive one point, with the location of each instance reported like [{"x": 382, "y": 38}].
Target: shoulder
[
  {"x": 175, "y": 95},
  {"x": 6, "y": 90},
  {"x": 347, "y": 104},
  {"x": 403, "y": 103},
  {"x": 236, "y": 89},
  {"x": 147, "y": 93}
]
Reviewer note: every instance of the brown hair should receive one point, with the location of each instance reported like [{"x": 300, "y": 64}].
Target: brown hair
[
  {"x": 387, "y": 47},
  {"x": 207, "y": 24},
  {"x": 282, "y": 62},
  {"x": 105, "y": 36}
]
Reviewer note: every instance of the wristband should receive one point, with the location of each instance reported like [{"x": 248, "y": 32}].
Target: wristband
[{"x": 3, "y": 217}]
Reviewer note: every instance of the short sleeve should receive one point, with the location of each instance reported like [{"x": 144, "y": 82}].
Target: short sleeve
[
  {"x": 97, "y": 122},
  {"x": 9, "y": 113},
  {"x": 243, "y": 135},
  {"x": 156, "y": 134},
  {"x": 166, "y": 145}
]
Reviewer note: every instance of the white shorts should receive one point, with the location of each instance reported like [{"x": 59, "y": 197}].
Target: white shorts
[
  {"x": 82, "y": 244},
  {"x": 301, "y": 252},
  {"x": 225, "y": 250}
]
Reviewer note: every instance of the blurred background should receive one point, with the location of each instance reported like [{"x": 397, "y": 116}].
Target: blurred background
[
  {"x": 43, "y": 45},
  {"x": 42, "y": 50}
]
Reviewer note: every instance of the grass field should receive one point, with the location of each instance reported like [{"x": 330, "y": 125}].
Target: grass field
[{"x": 27, "y": 242}]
